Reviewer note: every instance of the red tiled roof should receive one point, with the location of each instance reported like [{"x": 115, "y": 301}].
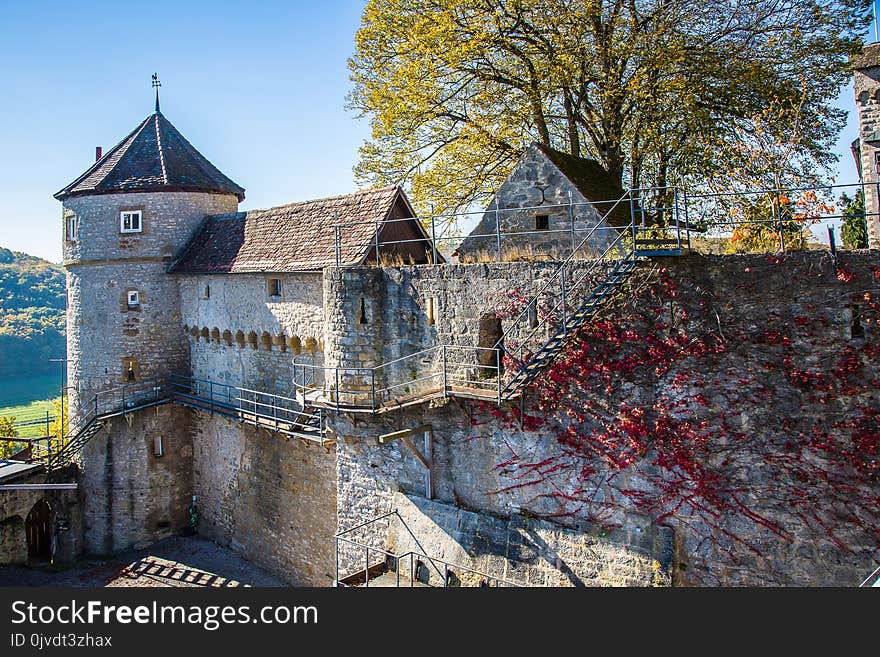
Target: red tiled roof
[{"x": 295, "y": 237}]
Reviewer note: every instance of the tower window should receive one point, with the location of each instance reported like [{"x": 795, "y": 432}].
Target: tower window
[
  {"x": 542, "y": 222},
  {"x": 130, "y": 370},
  {"x": 130, "y": 221},
  {"x": 158, "y": 446},
  {"x": 70, "y": 226},
  {"x": 274, "y": 287},
  {"x": 133, "y": 298},
  {"x": 207, "y": 293}
]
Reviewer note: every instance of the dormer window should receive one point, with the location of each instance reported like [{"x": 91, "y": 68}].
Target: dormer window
[
  {"x": 134, "y": 299},
  {"x": 131, "y": 221},
  {"x": 70, "y": 226}
]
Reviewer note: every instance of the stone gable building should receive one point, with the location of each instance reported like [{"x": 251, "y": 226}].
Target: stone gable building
[{"x": 548, "y": 205}]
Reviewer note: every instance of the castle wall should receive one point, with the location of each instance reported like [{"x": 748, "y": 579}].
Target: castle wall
[
  {"x": 537, "y": 184},
  {"x": 269, "y": 498},
  {"x": 412, "y": 309},
  {"x": 790, "y": 328},
  {"x": 15, "y": 505},
  {"x": 131, "y": 497},
  {"x": 239, "y": 305},
  {"x": 866, "y": 85}
]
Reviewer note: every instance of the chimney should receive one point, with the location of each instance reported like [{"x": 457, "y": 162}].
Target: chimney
[{"x": 98, "y": 153}]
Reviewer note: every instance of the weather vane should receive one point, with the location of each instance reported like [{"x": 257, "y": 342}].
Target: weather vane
[{"x": 156, "y": 85}]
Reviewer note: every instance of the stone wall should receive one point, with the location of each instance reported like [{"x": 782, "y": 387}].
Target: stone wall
[
  {"x": 784, "y": 323},
  {"x": 538, "y": 185},
  {"x": 131, "y": 497},
  {"x": 66, "y": 516},
  {"x": 410, "y": 310},
  {"x": 271, "y": 498},
  {"x": 237, "y": 308},
  {"x": 529, "y": 551}
]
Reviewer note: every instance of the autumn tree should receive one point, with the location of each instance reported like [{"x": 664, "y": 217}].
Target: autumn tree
[
  {"x": 659, "y": 91},
  {"x": 8, "y": 430}
]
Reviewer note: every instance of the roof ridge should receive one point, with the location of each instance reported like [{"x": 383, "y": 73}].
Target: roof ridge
[
  {"x": 159, "y": 143},
  {"x": 359, "y": 192}
]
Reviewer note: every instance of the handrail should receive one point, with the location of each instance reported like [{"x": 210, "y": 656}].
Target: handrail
[
  {"x": 874, "y": 575},
  {"x": 565, "y": 262}
]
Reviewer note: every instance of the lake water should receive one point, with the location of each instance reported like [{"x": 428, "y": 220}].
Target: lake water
[{"x": 20, "y": 390}]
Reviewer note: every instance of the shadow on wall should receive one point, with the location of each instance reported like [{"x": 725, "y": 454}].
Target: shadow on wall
[{"x": 532, "y": 552}]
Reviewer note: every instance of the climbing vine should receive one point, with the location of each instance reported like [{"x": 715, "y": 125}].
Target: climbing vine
[{"x": 709, "y": 411}]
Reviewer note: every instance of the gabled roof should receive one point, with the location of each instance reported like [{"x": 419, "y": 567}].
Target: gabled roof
[
  {"x": 154, "y": 157},
  {"x": 296, "y": 237},
  {"x": 593, "y": 181}
]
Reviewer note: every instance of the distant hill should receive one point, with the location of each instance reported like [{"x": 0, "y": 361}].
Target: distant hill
[{"x": 31, "y": 314}]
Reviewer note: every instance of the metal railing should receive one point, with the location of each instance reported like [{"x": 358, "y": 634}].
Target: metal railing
[
  {"x": 278, "y": 413},
  {"x": 409, "y": 568},
  {"x": 651, "y": 208},
  {"x": 119, "y": 400}
]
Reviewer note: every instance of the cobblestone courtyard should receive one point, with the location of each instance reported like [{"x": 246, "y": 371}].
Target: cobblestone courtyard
[{"x": 190, "y": 561}]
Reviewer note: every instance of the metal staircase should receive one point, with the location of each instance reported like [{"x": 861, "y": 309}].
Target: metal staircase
[
  {"x": 92, "y": 415},
  {"x": 632, "y": 244}
]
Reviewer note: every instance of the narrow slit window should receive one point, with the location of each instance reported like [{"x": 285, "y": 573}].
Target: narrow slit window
[
  {"x": 857, "y": 330},
  {"x": 542, "y": 222},
  {"x": 432, "y": 310},
  {"x": 207, "y": 292},
  {"x": 158, "y": 446},
  {"x": 275, "y": 287},
  {"x": 131, "y": 221},
  {"x": 362, "y": 313},
  {"x": 533, "y": 314}
]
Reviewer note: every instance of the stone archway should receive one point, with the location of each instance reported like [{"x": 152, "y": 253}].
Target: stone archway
[{"x": 38, "y": 528}]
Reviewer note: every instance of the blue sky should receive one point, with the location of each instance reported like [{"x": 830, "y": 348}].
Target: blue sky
[{"x": 259, "y": 88}]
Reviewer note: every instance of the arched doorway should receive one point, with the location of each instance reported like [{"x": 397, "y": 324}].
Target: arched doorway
[{"x": 38, "y": 527}]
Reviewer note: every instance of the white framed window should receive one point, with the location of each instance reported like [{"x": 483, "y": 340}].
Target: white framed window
[
  {"x": 70, "y": 225},
  {"x": 274, "y": 287},
  {"x": 131, "y": 221},
  {"x": 134, "y": 298}
]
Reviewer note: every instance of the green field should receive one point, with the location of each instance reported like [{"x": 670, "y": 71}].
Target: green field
[{"x": 29, "y": 398}]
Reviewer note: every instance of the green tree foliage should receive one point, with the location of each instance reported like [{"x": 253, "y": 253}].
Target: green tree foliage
[
  {"x": 7, "y": 430},
  {"x": 32, "y": 303},
  {"x": 854, "y": 230},
  {"x": 658, "y": 91},
  {"x": 763, "y": 220}
]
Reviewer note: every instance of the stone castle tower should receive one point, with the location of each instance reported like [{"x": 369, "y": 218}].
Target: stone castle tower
[
  {"x": 125, "y": 220},
  {"x": 866, "y": 84}
]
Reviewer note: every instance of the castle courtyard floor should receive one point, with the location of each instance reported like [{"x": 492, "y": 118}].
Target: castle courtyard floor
[{"x": 180, "y": 561}]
